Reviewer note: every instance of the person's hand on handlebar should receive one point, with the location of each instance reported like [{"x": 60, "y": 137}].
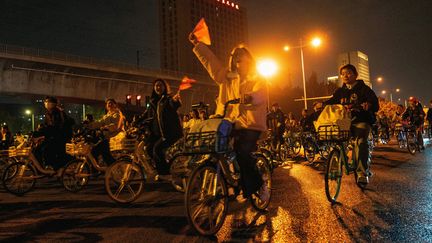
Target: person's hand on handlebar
[{"x": 246, "y": 99}]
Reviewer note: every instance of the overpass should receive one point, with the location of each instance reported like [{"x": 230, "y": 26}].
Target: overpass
[{"x": 27, "y": 72}]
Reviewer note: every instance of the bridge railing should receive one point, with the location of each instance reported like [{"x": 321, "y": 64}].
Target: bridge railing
[{"x": 59, "y": 56}]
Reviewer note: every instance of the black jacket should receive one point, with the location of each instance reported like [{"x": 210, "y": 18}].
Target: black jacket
[
  {"x": 165, "y": 121},
  {"x": 429, "y": 115},
  {"x": 356, "y": 96},
  {"x": 273, "y": 118},
  {"x": 414, "y": 114}
]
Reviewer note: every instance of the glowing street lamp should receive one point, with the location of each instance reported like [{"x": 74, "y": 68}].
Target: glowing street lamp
[
  {"x": 29, "y": 112},
  {"x": 267, "y": 68},
  {"x": 383, "y": 92},
  {"x": 379, "y": 79},
  {"x": 316, "y": 42}
]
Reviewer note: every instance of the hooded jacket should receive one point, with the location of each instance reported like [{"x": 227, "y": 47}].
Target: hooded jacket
[
  {"x": 356, "y": 96},
  {"x": 252, "y": 116}
]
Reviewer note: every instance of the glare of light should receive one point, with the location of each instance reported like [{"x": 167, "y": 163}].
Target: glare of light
[
  {"x": 286, "y": 48},
  {"x": 267, "y": 67},
  {"x": 383, "y": 92},
  {"x": 397, "y": 90},
  {"x": 316, "y": 42},
  {"x": 28, "y": 112},
  {"x": 379, "y": 79}
]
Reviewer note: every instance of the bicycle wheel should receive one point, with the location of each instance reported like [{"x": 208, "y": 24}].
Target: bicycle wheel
[
  {"x": 76, "y": 175},
  {"x": 309, "y": 151},
  {"x": 124, "y": 181},
  {"x": 333, "y": 176},
  {"x": 256, "y": 199},
  {"x": 284, "y": 152},
  {"x": 412, "y": 148},
  {"x": 206, "y": 200},
  {"x": 296, "y": 147},
  {"x": 19, "y": 178}
]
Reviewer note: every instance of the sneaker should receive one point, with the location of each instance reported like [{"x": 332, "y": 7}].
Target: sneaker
[
  {"x": 363, "y": 179},
  {"x": 264, "y": 193}
]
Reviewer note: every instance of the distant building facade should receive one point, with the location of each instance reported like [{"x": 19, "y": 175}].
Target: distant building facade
[
  {"x": 226, "y": 20},
  {"x": 360, "y": 60}
]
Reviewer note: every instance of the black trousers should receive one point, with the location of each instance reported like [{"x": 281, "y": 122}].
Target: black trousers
[
  {"x": 103, "y": 149},
  {"x": 245, "y": 142},
  {"x": 156, "y": 148}
]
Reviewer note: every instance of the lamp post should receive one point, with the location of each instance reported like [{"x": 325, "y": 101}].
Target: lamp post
[
  {"x": 315, "y": 43},
  {"x": 390, "y": 93},
  {"x": 29, "y": 112},
  {"x": 267, "y": 68}
]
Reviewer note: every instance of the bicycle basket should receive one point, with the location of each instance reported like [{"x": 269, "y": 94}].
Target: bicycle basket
[
  {"x": 20, "y": 152},
  {"x": 4, "y": 153},
  {"x": 332, "y": 133},
  {"x": 78, "y": 149},
  {"x": 124, "y": 144},
  {"x": 206, "y": 142}
]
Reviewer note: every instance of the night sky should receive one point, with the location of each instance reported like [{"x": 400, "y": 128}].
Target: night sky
[{"x": 395, "y": 34}]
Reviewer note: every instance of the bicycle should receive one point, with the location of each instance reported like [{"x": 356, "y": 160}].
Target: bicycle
[
  {"x": 125, "y": 178},
  {"x": 206, "y": 197},
  {"x": 77, "y": 172},
  {"x": 291, "y": 146},
  {"x": 338, "y": 159},
  {"x": 20, "y": 176},
  {"x": 312, "y": 146}
]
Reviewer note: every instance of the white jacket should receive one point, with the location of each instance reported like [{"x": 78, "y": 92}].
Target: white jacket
[{"x": 251, "y": 116}]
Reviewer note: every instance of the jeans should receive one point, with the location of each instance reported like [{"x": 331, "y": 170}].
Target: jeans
[
  {"x": 360, "y": 131},
  {"x": 245, "y": 142},
  {"x": 103, "y": 149}
]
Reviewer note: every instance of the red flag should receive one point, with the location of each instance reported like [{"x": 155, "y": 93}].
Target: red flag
[
  {"x": 201, "y": 32},
  {"x": 186, "y": 83}
]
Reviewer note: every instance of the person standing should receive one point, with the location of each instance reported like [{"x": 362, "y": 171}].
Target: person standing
[
  {"x": 363, "y": 102},
  {"x": 240, "y": 81},
  {"x": 165, "y": 126}
]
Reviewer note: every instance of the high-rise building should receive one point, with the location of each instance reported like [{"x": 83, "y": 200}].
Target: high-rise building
[
  {"x": 225, "y": 19},
  {"x": 360, "y": 61}
]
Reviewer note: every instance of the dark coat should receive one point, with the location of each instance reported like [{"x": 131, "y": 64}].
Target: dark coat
[
  {"x": 414, "y": 114},
  {"x": 356, "y": 96},
  {"x": 165, "y": 121},
  {"x": 273, "y": 118}
]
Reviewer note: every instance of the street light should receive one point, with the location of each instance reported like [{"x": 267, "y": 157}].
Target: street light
[
  {"x": 379, "y": 79},
  {"x": 315, "y": 43},
  {"x": 267, "y": 68},
  {"x": 29, "y": 112}
]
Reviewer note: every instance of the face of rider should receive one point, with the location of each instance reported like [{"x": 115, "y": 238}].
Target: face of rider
[
  {"x": 159, "y": 87},
  {"x": 49, "y": 105},
  {"x": 275, "y": 108},
  {"x": 348, "y": 76},
  {"x": 243, "y": 65},
  {"x": 110, "y": 106}
]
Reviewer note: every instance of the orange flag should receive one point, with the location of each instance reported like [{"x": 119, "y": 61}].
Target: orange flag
[
  {"x": 186, "y": 83},
  {"x": 202, "y": 33}
]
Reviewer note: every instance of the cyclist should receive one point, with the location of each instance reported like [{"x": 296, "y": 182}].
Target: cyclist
[
  {"x": 240, "y": 80},
  {"x": 429, "y": 119},
  {"x": 414, "y": 114},
  {"x": 383, "y": 123},
  {"x": 111, "y": 123},
  {"x": 276, "y": 124},
  {"x": 6, "y": 137},
  {"x": 364, "y": 104},
  {"x": 165, "y": 126}
]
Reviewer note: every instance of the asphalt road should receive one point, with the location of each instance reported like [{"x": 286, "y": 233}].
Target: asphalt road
[{"x": 395, "y": 207}]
